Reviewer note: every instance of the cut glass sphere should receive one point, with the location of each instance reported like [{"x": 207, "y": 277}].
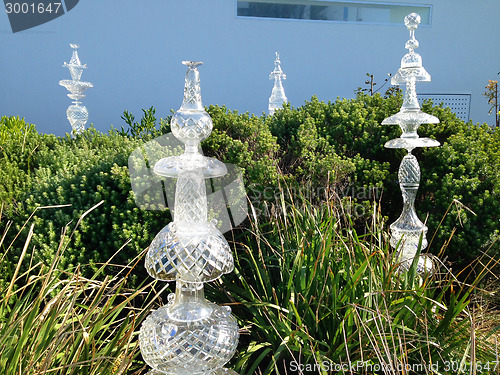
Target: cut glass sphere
[
  {"x": 77, "y": 117},
  {"x": 412, "y": 20},
  {"x": 220, "y": 371},
  {"x": 191, "y": 127},
  {"x": 199, "y": 257},
  {"x": 174, "y": 346}
]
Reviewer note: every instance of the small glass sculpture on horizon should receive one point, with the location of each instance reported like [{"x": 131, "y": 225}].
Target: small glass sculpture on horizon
[
  {"x": 407, "y": 232},
  {"x": 77, "y": 113},
  {"x": 278, "y": 97},
  {"x": 189, "y": 335}
]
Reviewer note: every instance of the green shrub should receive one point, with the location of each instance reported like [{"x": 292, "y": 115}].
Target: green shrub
[
  {"x": 245, "y": 141},
  {"x": 466, "y": 168},
  {"x": 18, "y": 143},
  {"x": 338, "y": 144},
  {"x": 92, "y": 170},
  {"x": 80, "y": 173}
]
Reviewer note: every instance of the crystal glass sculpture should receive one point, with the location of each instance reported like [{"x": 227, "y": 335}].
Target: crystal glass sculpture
[
  {"x": 407, "y": 232},
  {"x": 77, "y": 113},
  {"x": 278, "y": 96},
  {"x": 189, "y": 335}
]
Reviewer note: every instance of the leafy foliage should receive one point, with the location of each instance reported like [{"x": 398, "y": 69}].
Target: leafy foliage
[
  {"x": 465, "y": 169},
  {"x": 313, "y": 281},
  {"x": 79, "y": 174},
  {"x": 146, "y": 128},
  {"x": 491, "y": 94},
  {"x": 18, "y": 142},
  {"x": 245, "y": 141},
  {"x": 338, "y": 143}
]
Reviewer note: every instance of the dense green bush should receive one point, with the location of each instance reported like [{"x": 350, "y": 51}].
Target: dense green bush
[
  {"x": 466, "y": 168},
  {"x": 18, "y": 142},
  {"x": 337, "y": 143},
  {"x": 77, "y": 174},
  {"x": 464, "y": 171},
  {"x": 42, "y": 170},
  {"x": 245, "y": 141}
]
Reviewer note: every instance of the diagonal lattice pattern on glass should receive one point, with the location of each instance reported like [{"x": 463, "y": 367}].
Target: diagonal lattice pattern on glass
[
  {"x": 203, "y": 257},
  {"x": 189, "y": 335},
  {"x": 77, "y": 114}
]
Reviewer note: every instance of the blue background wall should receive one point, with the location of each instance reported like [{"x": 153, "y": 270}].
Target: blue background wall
[{"x": 134, "y": 50}]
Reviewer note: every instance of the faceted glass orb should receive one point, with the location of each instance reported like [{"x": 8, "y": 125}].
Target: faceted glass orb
[
  {"x": 191, "y": 126},
  {"x": 173, "y": 346},
  {"x": 412, "y": 20},
  {"x": 220, "y": 371},
  {"x": 200, "y": 257},
  {"x": 77, "y": 117}
]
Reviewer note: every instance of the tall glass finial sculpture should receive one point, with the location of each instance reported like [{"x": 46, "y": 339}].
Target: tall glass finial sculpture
[
  {"x": 407, "y": 231},
  {"x": 278, "y": 96},
  {"x": 77, "y": 113},
  {"x": 189, "y": 335}
]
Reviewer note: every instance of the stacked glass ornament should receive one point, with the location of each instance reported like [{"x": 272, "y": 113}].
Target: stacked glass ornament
[
  {"x": 76, "y": 113},
  {"x": 189, "y": 335},
  {"x": 408, "y": 232},
  {"x": 278, "y": 96}
]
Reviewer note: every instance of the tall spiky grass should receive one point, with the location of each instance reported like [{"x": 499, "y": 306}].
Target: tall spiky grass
[
  {"x": 54, "y": 321},
  {"x": 312, "y": 295},
  {"x": 317, "y": 297}
]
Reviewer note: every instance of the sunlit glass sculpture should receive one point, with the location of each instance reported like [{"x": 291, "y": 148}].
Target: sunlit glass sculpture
[
  {"x": 77, "y": 113},
  {"x": 189, "y": 335},
  {"x": 408, "y": 231},
  {"x": 278, "y": 96}
]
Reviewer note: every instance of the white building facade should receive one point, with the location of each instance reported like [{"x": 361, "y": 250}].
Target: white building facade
[{"x": 134, "y": 51}]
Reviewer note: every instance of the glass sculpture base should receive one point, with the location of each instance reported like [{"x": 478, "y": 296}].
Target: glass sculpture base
[
  {"x": 221, "y": 371},
  {"x": 189, "y": 338},
  {"x": 425, "y": 264}
]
